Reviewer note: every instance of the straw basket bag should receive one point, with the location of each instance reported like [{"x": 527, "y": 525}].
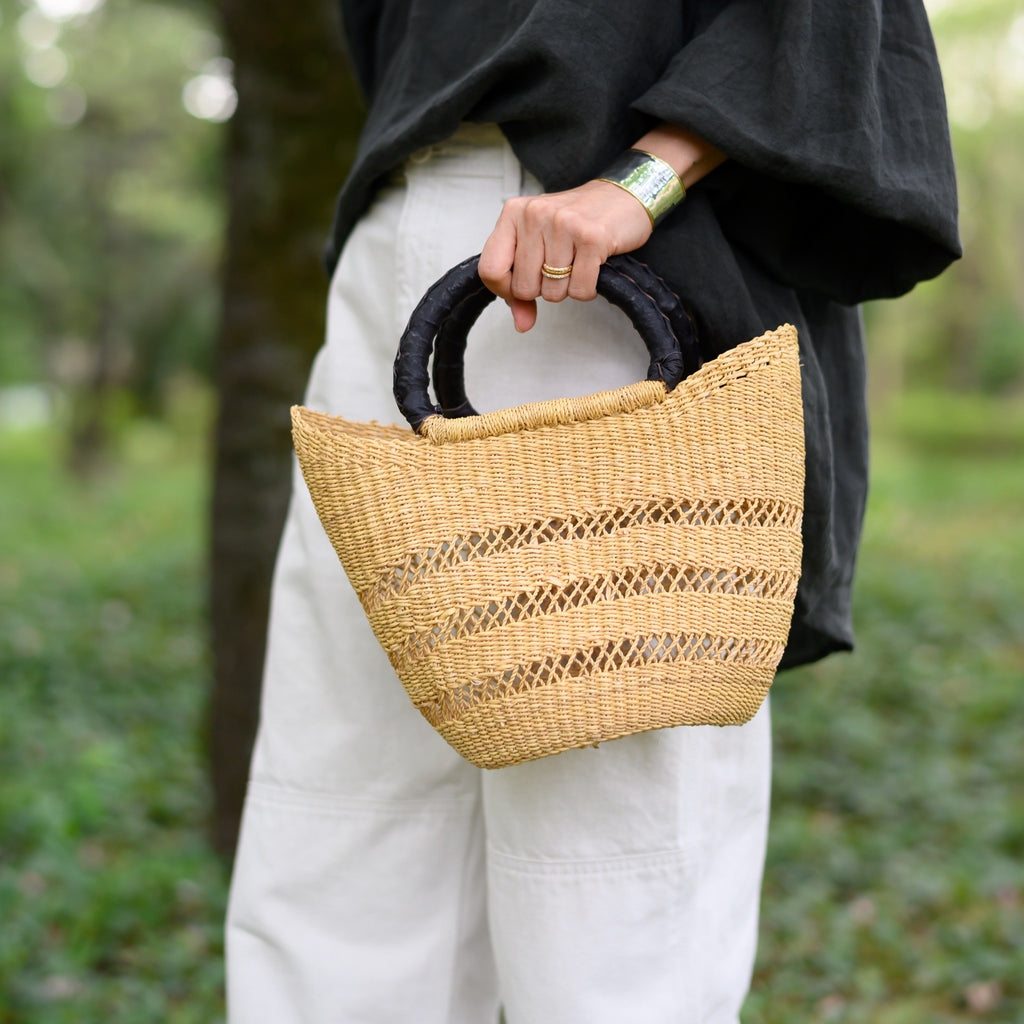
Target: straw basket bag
[{"x": 561, "y": 573}]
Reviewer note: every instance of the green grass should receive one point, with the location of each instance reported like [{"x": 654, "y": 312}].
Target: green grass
[
  {"x": 894, "y": 890},
  {"x": 110, "y": 901},
  {"x": 895, "y": 883}
]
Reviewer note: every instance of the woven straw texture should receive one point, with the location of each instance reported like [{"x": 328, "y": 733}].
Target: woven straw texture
[{"x": 567, "y": 572}]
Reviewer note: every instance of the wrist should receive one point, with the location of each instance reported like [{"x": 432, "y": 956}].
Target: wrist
[{"x": 690, "y": 156}]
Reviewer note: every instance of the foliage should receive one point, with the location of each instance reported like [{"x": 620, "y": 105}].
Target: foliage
[
  {"x": 110, "y": 899},
  {"x": 965, "y": 331},
  {"x": 109, "y": 194},
  {"x": 111, "y": 209},
  {"x": 895, "y": 881}
]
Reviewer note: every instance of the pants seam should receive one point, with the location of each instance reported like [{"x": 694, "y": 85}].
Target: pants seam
[{"x": 622, "y": 864}]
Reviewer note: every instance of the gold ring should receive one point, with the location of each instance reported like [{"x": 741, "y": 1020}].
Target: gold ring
[{"x": 555, "y": 273}]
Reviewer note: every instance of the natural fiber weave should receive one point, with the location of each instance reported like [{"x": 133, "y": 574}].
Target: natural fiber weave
[{"x": 568, "y": 572}]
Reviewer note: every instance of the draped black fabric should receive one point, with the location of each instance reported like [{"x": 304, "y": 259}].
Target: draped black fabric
[{"x": 839, "y": 185}]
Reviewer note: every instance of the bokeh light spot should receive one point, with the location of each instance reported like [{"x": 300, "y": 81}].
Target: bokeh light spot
[
  {"x": 38, "y": 31},
  {"x": 211, "y": 95},
  {"x": 64, "y": 10},
  {"x": 47, "y": 68}
]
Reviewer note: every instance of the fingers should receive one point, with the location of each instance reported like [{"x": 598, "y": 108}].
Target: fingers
[
  {"x": 498, "y": 255},
  {"x": 529, "y": 257},
  {"x": 579, "y": 228},
  {"x": 592, "y": 248},
  {"x": 585, "y": 268},
  {"x": 501, "y": 258},
  {"x": 534, "y": 232}
]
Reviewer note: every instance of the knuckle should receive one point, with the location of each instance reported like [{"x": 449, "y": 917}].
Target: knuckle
[
  {"x": 488, "y": 271},
  {"x": 566, "y": 220},
  {"x": 533, "y": 211},
  {"x": 583, "y": 292},
  {"x": 495, "y": 283},
  {"x": 591, "y": 234},
  {"x": 538, "y": 209}
]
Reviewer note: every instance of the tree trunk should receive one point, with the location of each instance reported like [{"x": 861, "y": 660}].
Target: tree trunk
[{"x": 289, "y": 144}]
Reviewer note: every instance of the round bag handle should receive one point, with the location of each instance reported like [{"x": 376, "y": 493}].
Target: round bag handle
[{"x": 451, "y": 306}]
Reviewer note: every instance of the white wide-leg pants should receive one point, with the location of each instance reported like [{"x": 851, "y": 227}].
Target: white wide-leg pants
[{"x": 380, "y": 879}]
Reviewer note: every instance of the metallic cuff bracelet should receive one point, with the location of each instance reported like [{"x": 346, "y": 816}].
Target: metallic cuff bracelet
[{"x": 649, "y": 179}]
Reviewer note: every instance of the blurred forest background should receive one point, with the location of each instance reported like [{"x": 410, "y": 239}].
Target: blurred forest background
[{"x": 167, "y": 172}]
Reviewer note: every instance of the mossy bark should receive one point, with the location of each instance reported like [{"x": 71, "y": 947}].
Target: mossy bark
[{"x": 288, "y": 147}]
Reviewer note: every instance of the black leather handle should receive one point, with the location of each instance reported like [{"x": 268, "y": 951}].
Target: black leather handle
[{"x": 452, "y": 305}]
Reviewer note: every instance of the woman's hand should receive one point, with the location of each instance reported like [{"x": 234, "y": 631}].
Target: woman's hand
[{"x": 579, "y": 228}]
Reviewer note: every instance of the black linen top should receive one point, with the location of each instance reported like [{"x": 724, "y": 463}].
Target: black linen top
[{"x": 839, "y": 186}]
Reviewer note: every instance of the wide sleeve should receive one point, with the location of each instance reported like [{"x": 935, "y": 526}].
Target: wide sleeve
[{"x": 840, "y": 177}]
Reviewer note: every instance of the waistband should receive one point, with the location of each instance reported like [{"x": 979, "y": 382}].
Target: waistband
[
  {"x": 467, "y": 139},
  {"x": 474, "y": 151}
]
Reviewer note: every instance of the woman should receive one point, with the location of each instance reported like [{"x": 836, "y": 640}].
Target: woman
[{"x": 379, "y": 877}]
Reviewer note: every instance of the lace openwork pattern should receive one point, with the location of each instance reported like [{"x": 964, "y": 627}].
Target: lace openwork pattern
[
  {"x": 634, "y": 581},
  {"x": 458, "y": 550},
  {"x": 615, "y": 655}
]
